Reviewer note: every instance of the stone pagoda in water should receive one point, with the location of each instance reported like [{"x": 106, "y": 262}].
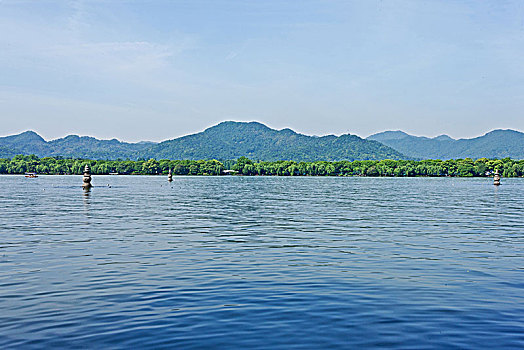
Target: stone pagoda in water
[
  {"x": 87, "y": 177},
  {"x": 496, "y": 178}
]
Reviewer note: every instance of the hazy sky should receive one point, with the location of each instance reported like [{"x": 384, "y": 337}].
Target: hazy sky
[{"x": 154, "y": 70}]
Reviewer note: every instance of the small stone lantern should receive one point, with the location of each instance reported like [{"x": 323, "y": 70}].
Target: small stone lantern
[
  {"x": 496, "y": 178},
  {"x": 87, "y": 177},
  {"x": 170, "y": 176}
]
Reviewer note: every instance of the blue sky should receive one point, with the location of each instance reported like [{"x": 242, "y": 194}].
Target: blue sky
[{"x": 154, "y": 70}]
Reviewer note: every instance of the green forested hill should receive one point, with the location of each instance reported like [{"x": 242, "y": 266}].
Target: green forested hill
[
  {"x": 28, "y": 142},
  {"x": 231, "y": 140},
  {"x": 75, "y": 146},
  {"x": 90, "y": 147},
  {"x": 494, "y": 144},
  {"x": 6, "y": 152},
  {"x": 227, "y": 140}
]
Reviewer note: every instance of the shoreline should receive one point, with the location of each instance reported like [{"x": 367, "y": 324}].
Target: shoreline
[{"x": 243, "y": 166}]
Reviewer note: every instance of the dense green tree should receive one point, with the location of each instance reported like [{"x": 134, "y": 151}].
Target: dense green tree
[
  {"x": 459, "y": 167},
  {"x": 151, "y": 167},
  {"x": 241, "y": 163}
]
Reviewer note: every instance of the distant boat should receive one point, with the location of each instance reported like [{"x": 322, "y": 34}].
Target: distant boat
[
  {"x": 113, "y": 173},
  {"x": 31, "y": 175}
]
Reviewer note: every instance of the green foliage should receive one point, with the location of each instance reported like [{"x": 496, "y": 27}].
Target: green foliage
[
  {"x": 151, "y": 167},
  {"x": 244, "y": 166},
  {"x": 388, "y": 167},
  {"x": 20, "y": 164}
]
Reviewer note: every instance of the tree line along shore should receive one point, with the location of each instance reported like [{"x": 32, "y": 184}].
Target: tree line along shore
[{"x": 467, "y": 167}]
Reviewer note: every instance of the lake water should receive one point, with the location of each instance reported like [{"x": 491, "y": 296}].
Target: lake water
[{"x": 261, "y": 262}]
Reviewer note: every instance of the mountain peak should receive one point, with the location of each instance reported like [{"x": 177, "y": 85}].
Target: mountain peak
[
  {"x": 29, "y": 132},
  {"x": 287, "y": 131},
  {"x": 26, "y": 136},
  {"x": 235, "y": 124},
  {"x": 388, "y": 135},
  {"x": 504, "y": 132},
  {"x": 442, "y": 138}
]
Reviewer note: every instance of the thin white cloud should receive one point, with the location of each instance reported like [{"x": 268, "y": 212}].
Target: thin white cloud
[
  {"x": 317, "y": 67},
  {"x": 232, "y": 55},
  {"x": 111, "y": 56}
]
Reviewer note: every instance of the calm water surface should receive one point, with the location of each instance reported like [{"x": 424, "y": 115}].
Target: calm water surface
[{"x": 261, "y": 262}]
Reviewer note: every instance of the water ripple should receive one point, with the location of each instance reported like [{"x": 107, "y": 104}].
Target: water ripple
[{"x": 261, "y": 262}]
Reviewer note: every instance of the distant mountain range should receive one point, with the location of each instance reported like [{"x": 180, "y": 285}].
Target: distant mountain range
[
  {"x": 494, "y": 144},
  {"x": 227, "y": 140},
  {"x": 29, "y": 142},
  {"x": 231, "y": 140}
]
